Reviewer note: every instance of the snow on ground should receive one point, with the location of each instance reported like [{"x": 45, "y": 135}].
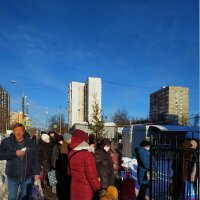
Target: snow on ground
[
  {"x": 131, "y": 165},
  {"x": 3, "y": 181}
]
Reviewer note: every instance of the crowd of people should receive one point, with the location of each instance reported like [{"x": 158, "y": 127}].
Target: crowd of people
[{"x": 72, "y": 166}]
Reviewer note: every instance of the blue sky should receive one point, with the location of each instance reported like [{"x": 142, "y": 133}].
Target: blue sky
[{"x": 135, "y": 46}]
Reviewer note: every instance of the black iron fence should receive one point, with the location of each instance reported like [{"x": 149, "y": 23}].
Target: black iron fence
[{"x": 176, "y": 160}]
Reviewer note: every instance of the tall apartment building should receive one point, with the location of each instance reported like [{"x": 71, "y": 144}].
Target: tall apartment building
[
  {"x": 76, "y": 98},
  {"x": 93, "y": 93},
  {"x": 16, "y": 117},
  {"x": 169, "y": 105},
  {"x": 81, "y": 97},
  {"x": 4, "y": 110}
]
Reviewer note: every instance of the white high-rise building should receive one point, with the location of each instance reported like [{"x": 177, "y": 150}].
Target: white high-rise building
[
  {"x": 76, "y": 103},
  {"x": 81, "y": 97},
  {"x": 93, "y": 93}
]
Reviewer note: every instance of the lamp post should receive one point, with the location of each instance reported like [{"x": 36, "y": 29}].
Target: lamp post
[
  {"x": 46, "y": 118},
  {"x": 60, "y": 121},
  {"x": 14, "y": 81}
]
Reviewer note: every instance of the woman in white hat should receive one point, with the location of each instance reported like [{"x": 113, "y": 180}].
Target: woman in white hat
[{"x": 44, "y": 157}]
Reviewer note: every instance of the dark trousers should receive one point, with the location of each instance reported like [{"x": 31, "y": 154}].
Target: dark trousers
[
  {"x": 13, "y": 186},
  {"x": 142, "y": 191},
  {"x": 63, "y": 186}
]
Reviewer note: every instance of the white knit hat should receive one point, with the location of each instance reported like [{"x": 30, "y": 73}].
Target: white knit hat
[{"x": 45, "y": 138}]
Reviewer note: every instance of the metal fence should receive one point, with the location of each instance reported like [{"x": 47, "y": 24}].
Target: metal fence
[{"x": 176, "y": 160}]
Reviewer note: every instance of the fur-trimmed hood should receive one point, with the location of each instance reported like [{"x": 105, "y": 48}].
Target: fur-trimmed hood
[
  {"x": 82, "y": 146},
  {"x": 78, "y": 144}
]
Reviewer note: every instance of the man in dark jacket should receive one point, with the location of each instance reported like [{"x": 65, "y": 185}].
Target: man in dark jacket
[
  {"x": 143, "y": 159},
  {"x": 105, "y": 164},
  {"x": 22, "y": 161},
  {"x": 54, "y": 149}
]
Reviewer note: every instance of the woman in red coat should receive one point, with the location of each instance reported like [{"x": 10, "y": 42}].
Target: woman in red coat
[{"x": 82, "y": 168}]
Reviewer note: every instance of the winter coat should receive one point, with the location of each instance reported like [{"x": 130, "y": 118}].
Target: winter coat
[
  {"x": 63, "y": 178},
  {"x": 143, "y": 159},
  {"x": 105, "y": 167},
  {"x": 115, "y": 159},
  {"x": 62, "y": 161},
  {"x": 128, "y": 189},
  {"x": 184, "y": 169},
  {"x": 54, "y": 151},
  {"x": 84, "y": 176},
  {"x": 44, "y": 151},
  {"x": 20, "y": 167},
  {"x": 44, "y": 156}
]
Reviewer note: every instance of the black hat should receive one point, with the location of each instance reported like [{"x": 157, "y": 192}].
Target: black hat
[
  {"x": 106, "y": 141},
  {"x": 43, "y": 132},
  {"x": 50, "y": 132}
]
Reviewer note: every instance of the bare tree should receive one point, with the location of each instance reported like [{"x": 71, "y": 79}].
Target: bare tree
[
  {"x": 194, "y": 120},
  {"x": 57, "y": 123},
  {"x": 33, "y": 131},
  {"x": 184, "y": 120},
  {"x": 140, "y": 120},
  {"x": 120, "y": 117}
]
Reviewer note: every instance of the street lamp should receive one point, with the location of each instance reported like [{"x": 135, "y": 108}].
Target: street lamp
[
  {"x": 60, "y": 121},
  {"x": 46, "y": 118},
  {"x": 14, "y": 81}
]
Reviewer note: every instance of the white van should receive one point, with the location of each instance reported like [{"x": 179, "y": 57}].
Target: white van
[{"x": 132, "y": 136}]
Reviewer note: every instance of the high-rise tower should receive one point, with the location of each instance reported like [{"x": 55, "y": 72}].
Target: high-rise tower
[
  {"x": 169, "y": 105},
  {"x": 81, "y": 97}
]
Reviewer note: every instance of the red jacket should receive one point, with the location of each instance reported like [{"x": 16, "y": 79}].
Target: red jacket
[
  {"x": 128, "y": 189},
  {"x": 84, "y": 176}
]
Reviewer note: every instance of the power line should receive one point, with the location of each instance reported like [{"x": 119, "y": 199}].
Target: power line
[{"x": 126, "y": 85}]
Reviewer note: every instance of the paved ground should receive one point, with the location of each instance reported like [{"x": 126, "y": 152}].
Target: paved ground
[
  {"x": 47, "y": 190},
  {"x": 49, "y": 195},
  {"x": 4, "y": 190},
  {"x": 3, "y": 181}
]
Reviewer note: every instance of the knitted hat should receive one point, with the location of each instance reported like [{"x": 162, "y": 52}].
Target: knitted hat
[
  {"x": 45, "y": 138},
  {"x": 66, "y": 136},
  {"x": 186, "y": 144},
  {"x": 80, "y": 135},
  {"x": 43, "y": 132},
  {"x": 51, "y": 132},
  {"x": 105, "y": 141},
  {"x": 92, "y": 136}
]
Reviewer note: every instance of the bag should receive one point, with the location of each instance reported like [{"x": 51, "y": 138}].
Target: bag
[
  {"x": 154, "y": 175},
  {"x": 127, "y": 189},
  {"x": 52, "y": 178},
  {"x": 189, "y": 192},
  {"x": 42, "y": 175},
  {"x": 36, "y": 191}
]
